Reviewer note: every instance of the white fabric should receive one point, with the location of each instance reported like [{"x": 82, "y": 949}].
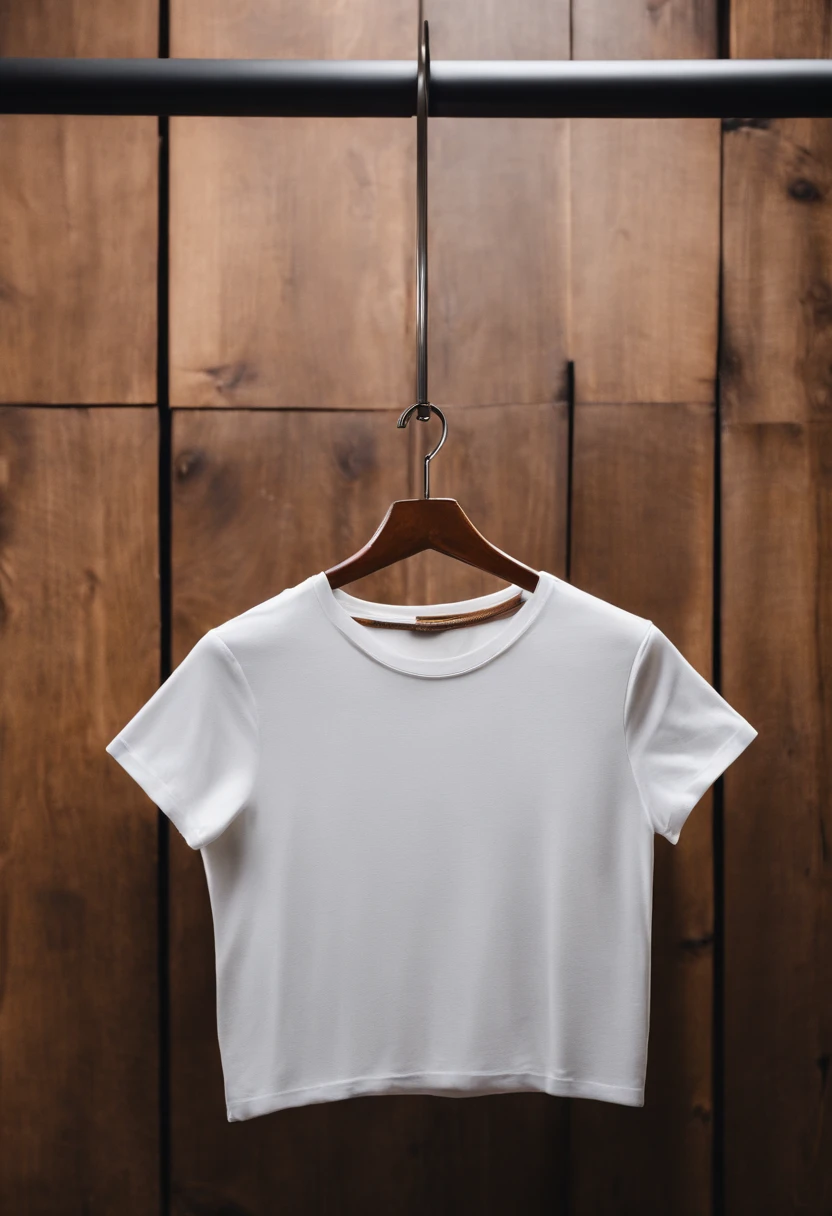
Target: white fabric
[{"x": 430, "y": 856}]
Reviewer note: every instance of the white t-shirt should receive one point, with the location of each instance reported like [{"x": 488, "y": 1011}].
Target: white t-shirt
[{"x": 430, "y": 855}]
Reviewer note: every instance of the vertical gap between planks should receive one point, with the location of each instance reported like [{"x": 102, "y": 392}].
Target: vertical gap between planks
[
  {"x": 570, "y": 447},
  {"x": 566, "y": 1191},
  {"x": 718, "y": 1041},
  {"x": 165, "y": 630},
  {"x": 718, "y": 1010}
]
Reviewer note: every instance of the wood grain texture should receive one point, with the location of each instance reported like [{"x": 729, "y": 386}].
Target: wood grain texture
[
  {"x": 777, "y": 270},
  {"x": 499, "y": 255},
  {"x": 644, "y": 309},
  {"x": 290, "y": 260},
  {"x": 777, "y": 641},
  {"x": 77, "y": 259},
  {"x": 488, "y": 29},
  {"x": 80, "y": 28},
  {"x": 645, "y": 257},
  {"x": 78, "y": 223},
  {"x": 284, "y": 29},
  {"x": 777, "y": 611},
  {"x": 642, "y": 539},
  {"x": 499, "y": 222},
  {"x": 292, "y": 267},
  {"x": 78, "y": 656},
  {"x": 263, "y": 499},
  {"x": 781, "y": 29},
  {"x": 645, "y": 222},
  {"x": 633, "y": 29}
]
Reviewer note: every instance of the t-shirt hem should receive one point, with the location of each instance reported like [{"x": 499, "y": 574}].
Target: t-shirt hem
[{"x": 441, "y": 1084}]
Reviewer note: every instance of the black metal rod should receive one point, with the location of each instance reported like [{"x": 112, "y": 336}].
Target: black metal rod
[{"x": 673, "y": 88}]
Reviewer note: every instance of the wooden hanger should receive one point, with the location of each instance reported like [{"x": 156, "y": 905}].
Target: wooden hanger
[{"x": 413, "y": 525}]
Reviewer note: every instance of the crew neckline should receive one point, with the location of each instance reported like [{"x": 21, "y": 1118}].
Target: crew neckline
[{"x": 339, "y": 605}]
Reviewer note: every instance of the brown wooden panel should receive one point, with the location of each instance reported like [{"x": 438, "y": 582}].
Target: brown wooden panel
[
  {"x": 777, "y": 457},
  {"x": 499, "y": 253},
  {"x": 762, "y": 29},
  {"x": 642, "y": 538},
  {"x": 645, "y": 222},
  {"x": 292, "y": 239},
  {"x": 290, "y": 262},
  {"x": 262, "y": 500},
  {"x": 644, "y": 298},
  {"x": 631, "y": 29},
  {"x": 78, "y": 222},
  {"x": 777, "y": 638},
  {"x": 645, "y": 249},
  {"x": 777, "y": 270},
  {"x": 499, "y": 221},
  {"x": 489, "y": 29},
  {"x": 777, "y": 463},
  {"x": 285, "y": 29},
  {"x": 78, "y": 655},
  {"x": 84, "y": 28}
]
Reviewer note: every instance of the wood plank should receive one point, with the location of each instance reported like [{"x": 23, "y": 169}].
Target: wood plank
[
  {"x": 262, "y": 499},
  {"x": 84, "y": 29},
  {"x": 763, "y": 29},
  {"x": 290, "y": 262},
  {"x": 78, "y": 655},
  {"x": 291, "y": 279},
  {"x": 645, "y": 222},
  {"x": 635, "y": 30},
  {"x": 499, "y": 253},
  {"x": 645, "y": 261},
  {"x": 777, "y": 638},
  {"x": 78, "y": 223},
  {"x": 487, "y": 29},
  {"x": 284, "y": 29},
  {"x": 641, "y": 538},
  {"x": 777, "y": 267},
  {"x": 498, "y": 231},
  {"x": 777, "y": 460}
]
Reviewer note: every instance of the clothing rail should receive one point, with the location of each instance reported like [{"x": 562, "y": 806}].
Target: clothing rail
[{"x": 673, "y": 88}]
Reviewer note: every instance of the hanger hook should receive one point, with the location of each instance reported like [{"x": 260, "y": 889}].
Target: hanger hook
[
  {"x": 423, "y": 405},
  {"x": 422, "y": 90},
  {"x": 403, "y": 421}
]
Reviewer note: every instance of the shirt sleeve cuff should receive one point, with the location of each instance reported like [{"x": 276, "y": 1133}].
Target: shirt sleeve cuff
[
  {"x": 155, "y": 788},
  {"x": 716, "y": 766}
]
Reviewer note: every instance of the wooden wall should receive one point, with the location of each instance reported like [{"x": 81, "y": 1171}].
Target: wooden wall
[
  {"x": 776, "y": 356},
  {"x": 79, "y": 623},
  {"x": 629, "y": 330}
]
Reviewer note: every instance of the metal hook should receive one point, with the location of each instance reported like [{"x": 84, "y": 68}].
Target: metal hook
[
  {"x": 403, "y": 421},
  {"x": 422, "y": 87},
  {"x": 423, "y": 406}
]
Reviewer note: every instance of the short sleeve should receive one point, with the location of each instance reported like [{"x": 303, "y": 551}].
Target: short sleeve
[
  {"x": 193, "y": 745},
  {"x": 680, "y": 733}
]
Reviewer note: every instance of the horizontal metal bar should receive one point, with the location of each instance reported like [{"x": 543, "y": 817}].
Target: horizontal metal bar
[
  {"x": 660, "y": 88},
  {"x": 672, "y": 88},
  {"x": 226, "y": 87}
]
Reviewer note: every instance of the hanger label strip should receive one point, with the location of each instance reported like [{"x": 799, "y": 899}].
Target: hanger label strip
[{"x": 459, "y": 620}]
